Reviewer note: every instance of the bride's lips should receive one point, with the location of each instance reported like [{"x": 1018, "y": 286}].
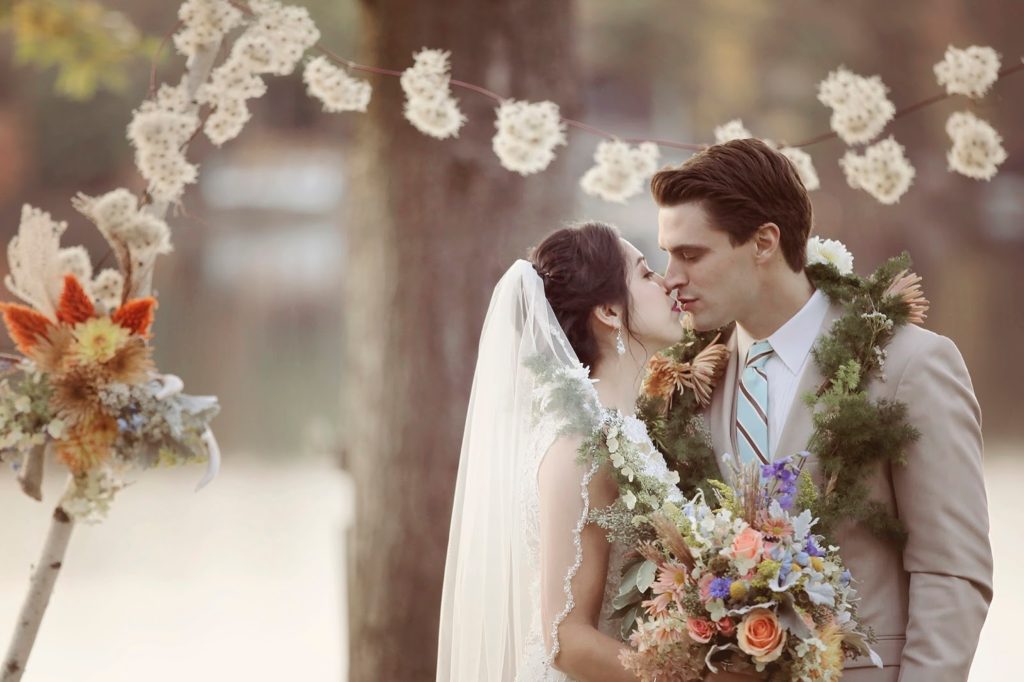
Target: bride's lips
[{"x": 676, "y": 308}]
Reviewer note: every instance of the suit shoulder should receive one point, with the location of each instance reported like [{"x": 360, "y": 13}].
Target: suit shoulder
[{"x": 911, "y": 344}]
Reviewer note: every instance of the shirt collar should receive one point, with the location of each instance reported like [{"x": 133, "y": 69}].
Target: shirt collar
[{"x": 792, "y": 342}]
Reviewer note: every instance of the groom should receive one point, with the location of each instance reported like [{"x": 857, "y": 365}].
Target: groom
[{"x": 735, "y": 220}]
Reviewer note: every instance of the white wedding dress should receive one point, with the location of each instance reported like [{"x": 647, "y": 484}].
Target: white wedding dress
[{"x": 514, "y": 546}]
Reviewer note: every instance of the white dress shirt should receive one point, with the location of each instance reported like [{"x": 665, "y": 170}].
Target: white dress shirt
[{"x": 792, "y": 343}]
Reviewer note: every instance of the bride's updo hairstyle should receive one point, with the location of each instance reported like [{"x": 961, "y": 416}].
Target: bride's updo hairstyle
[{"x": 583, "y": 267}]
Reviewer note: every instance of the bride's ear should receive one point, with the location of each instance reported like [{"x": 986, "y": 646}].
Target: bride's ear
[{"x": 609, "y": 315}]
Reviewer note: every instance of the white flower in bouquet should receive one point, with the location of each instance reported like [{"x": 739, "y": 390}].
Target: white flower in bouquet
[
  {"x": 620, "y": 170},
  {"x": 334, "y": 87},
  {"x": 119, "y": 219},
  {"x": 107, "y": 288},
  {"x": 969, "y": 72},
  {"x": 804, "y": 167},
  {"x": 204, "y": 22},
  {"x": 860, "y": 107},
  {"x": 830, "y": 252},
  {"x": 733, "y": 130},
  {"x": 33, "y": 256},
  {"x": 977, "y": 149},
  {"x": 528, "y": 133},
  {"x": 75, "y": 260},
  {"x": 882, "y": 171},
  {"x": 429, "y": 105},
  {"x": 158, "y": 131}
]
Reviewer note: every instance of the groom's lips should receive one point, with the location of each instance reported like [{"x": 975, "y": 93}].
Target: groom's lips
[{"x": 687, "y": 303}]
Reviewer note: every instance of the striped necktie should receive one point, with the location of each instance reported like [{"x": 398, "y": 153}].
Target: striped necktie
[{"x": 752, "y": 406}]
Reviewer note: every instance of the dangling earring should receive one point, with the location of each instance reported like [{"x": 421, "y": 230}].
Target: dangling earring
[{"x": 620, "y": 347}]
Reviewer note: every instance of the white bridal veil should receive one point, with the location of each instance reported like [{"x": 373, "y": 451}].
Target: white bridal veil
[{"x": 514, "y": 546}]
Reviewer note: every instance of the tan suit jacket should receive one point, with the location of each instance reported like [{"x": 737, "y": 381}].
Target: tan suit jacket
[{"x": 927, "y": 601}]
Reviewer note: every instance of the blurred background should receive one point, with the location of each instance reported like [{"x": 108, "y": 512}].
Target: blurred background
[{"x": 331, "y": 273}]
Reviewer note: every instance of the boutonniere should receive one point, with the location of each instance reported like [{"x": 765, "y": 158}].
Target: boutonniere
[{"x": 667, "y": 375}]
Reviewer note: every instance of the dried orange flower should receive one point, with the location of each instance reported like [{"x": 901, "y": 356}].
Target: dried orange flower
[
  {"x": 87, "y": 444},
  {"x": 75, "y": 305},
  {"x": 75, "y": 396},
  {"x": 907, "y": 286},
  {"x": 136, "y": 315},
  {"x": 666, "y": 377},
  {"x": 25, "y": 325},
  {"x": 131, "y": 364}
]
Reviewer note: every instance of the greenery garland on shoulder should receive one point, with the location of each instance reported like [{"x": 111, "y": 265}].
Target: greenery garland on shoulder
[
  {"x": 672, "y": 410},
  {"x": 852, "y": 432}
]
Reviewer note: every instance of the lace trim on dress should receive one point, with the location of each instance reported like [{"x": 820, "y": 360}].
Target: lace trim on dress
[{"x": 567, "y": 583}]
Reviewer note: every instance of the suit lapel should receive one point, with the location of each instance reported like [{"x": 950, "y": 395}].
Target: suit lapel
[
  {"x": 722, "y": 409},
  {"x": 799, "y": 424}
]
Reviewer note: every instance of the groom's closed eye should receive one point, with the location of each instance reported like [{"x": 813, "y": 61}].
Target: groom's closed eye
[{"x": 689, "y": 253}]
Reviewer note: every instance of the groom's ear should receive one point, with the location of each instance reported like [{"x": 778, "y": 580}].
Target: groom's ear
[
  {"x": 767, "y": 242},
  {"x": 609, "y": 315}
]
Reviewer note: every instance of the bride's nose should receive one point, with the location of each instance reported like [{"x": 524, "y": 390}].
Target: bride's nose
[{"x": 661, "y": 282}]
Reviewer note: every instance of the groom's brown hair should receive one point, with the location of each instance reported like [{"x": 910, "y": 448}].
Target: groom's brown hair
[{"x": 743, "y": 184}]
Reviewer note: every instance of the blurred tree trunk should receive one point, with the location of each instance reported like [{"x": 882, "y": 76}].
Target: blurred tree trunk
[{"x": 433, "y": 225}]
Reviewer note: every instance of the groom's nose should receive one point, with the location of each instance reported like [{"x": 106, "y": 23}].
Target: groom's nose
[{"x": 675, "y": 276}]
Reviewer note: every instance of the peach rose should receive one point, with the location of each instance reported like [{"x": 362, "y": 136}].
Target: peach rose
[
  {"x": 700, "y": 629},
  {"x": 748, "y": 545},
  {"x": 726, "y": 626},
  {"x": 704, "y": 585},
  {"x": 761, "y": 636}
]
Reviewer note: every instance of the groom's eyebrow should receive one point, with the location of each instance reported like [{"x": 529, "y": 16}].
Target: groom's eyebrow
[{"x": 690, "y": 248}]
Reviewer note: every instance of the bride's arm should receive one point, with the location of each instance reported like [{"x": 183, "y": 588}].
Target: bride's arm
[{"x": 585, "y": 653}]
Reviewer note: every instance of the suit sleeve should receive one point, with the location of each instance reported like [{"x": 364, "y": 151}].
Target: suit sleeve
[{"x": 940, "y": 494}]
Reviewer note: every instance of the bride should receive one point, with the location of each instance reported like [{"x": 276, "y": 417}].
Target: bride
[{"x": 529, "y": 581}]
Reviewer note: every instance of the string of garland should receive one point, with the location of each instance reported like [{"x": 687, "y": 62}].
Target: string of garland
[{"x": 853, "y": 433}]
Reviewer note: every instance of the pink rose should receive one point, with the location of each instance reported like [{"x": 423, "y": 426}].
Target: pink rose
[
  {"x": 700, "y": 629},
  {"x": 761, "y": 636},
  {"x": 726, "y": 626},
  {"x": 704, "y": 585},
  {"x": 748, "y": 545}
]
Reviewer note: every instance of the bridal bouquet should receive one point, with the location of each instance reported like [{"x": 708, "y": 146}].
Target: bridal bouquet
[
  {"x": 747, "y": 586},
  {"x": 85, "y": 385}
]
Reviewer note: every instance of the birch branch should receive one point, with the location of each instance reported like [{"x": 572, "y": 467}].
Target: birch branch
[{"x": 40, "y": 587}]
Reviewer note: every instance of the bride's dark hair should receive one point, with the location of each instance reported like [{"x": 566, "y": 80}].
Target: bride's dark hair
[{"x": 583, "y": 266}]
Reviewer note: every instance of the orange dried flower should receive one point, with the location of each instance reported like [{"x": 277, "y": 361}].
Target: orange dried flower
[
  {"x": 75, "y": 305},
  {"x": 672, "y": 538},
  {"x": 907, "y": 287},
  {"x": 50, "y": 351},
  {"x": 136, "y": 315},
  {"x": 76, "y": 394},
  {"x": 662, "y": 378},
  {"x": 666, "y": 377},
  {"x": 706, "y": 368},
  {"x": 25, "y": 325},
  {"x": 87, "y": 444},
  {"x": 131, "y": 364}
]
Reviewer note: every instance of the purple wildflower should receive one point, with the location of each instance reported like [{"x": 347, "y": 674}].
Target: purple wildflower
[
  {"x": 813, "y": 549},
  {"x": 719, "y": 588}
]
